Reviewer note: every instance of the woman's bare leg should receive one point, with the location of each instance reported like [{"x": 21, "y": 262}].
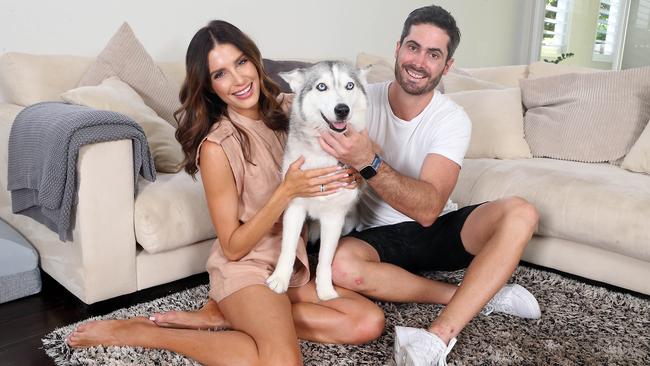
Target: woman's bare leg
[
  {"x": 207, "y": 317},
  {"x": 264, "y": 333},
  {"x": 349, "y": 319}
]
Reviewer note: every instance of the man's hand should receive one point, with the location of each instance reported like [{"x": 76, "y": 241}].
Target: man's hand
[{"x": 353, "y": 148}]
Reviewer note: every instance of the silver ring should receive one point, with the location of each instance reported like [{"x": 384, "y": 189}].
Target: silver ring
[{"x": 322, "y": 188}]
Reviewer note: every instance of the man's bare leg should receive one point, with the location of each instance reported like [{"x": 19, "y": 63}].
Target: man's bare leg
[
  {"x": 357, "y": 267},
  {"x": 496, "y": 233}
]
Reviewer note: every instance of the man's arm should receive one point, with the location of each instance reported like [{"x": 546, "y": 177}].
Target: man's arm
[{"x": 421, "y": 199}]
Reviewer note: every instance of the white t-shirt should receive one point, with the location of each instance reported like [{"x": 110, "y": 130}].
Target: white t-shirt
[{"x": 441, "y": 128}]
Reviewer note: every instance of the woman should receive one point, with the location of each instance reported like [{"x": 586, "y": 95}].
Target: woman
[{"x": 233, "y": 127}]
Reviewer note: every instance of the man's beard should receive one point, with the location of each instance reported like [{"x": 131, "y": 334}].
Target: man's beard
[{"x": 410, "y": 87}]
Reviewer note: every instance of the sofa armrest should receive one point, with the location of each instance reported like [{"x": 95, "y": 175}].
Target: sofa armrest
[
  {"x": 100, "y": 261},
  {"x": 103, "y": 228}
]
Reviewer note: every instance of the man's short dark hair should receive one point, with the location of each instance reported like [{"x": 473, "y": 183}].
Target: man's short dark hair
[{"x": 436, "y": 16}]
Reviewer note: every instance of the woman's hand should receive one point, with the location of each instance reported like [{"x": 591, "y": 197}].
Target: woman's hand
[
  {"x": 353, "y": 179},
  {"x": 314, "y": 182}
]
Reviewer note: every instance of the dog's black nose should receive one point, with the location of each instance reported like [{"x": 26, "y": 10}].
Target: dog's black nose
[{"x": 341, "y": 111}]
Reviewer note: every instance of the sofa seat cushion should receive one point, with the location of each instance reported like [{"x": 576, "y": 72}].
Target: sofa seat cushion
[
  {"x": 171, "y": 213},
  {"x": 597, "y": 204}
]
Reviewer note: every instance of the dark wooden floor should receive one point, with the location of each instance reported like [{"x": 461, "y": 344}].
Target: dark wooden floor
[{"x": 25, "y": 321}]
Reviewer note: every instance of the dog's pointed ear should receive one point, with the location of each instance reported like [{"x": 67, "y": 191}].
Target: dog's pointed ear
[
  {"x": 363, "y": 73},
  {"x": 295, "y": 78}
]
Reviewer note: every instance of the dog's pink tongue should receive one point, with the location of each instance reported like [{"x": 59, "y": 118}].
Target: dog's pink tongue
[{"x": 339, "y": 125}]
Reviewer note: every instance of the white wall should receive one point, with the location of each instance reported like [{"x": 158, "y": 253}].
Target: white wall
[{"x": 492, "y": 29}]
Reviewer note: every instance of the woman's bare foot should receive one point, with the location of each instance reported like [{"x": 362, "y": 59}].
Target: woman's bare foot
[
  {"x": 129, "y": 332},
  {"x": 208, "y": 317}
]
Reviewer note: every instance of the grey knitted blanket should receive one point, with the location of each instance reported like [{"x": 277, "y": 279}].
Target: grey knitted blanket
[{"x": 44, "y": 144}]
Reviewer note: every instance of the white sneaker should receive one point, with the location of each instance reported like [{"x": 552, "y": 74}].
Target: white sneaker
[
  {"x": 417, "y": 347},
  {"x": 514, "y": 300}
]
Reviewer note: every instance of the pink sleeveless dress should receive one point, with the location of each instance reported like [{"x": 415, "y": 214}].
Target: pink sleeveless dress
[{"x": 255, "y": 185}]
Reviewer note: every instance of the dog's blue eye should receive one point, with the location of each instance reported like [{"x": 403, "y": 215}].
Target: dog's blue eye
[
  {"x": 321, "y": 87},
  {"x": 349, "y": 86}
]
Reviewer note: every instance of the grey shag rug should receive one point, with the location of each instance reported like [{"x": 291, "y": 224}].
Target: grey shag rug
[{"x": 581, "y": 324}]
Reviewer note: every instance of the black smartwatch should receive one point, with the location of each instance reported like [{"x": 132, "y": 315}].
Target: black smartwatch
[{"x": 371, "y": 170}]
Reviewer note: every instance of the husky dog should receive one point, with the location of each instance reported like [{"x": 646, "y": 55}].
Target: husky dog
[{"x": 329, "y": 96}]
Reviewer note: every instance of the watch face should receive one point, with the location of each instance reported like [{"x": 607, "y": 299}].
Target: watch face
[
  {"x": 368, "y": 172},
  {"x": 371, "y": 170}
]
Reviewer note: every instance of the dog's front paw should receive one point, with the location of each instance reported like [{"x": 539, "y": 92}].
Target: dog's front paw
[
  {"x": 326, "y": 292},
  {"x": 278, "y": 282}
]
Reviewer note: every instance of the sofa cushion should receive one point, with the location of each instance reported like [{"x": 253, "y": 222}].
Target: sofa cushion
[
  {"x": 171, "y": 212},
  {"x": 115, "y": 95},
  {"x": 174, "y": 71},
  {"x": 274, "y": 67},
  {"x": 593, "y": 117},
  {"x": 597, "y": 204},
  {"x": 542, "y": 69},
  {"x": 638, "y": 159},
  {"x": 28, "y": 79},
  {"x": 381, "y": 68},
  {"x": 125, "y": 57},
  {"x": 503, "y": 75},
  {"x": 497, "y": 123},
  {"x": 455, "y": 82}
]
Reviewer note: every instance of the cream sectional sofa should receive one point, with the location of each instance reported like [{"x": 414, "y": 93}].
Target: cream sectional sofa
[
  {"x": 593, "y": 216},
  {"x": 121, "y": 243}
]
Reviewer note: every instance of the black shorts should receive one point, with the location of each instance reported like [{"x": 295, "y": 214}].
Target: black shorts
[{"x": 417, "y": 248}]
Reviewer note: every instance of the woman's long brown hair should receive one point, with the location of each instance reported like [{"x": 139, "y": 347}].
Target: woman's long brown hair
[{"x": 201, "y": 107}]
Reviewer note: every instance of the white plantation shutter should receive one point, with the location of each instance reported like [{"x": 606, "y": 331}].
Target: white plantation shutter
[
  {"x": 556, "y": 27},
  {"x": 608, "y": 27}
]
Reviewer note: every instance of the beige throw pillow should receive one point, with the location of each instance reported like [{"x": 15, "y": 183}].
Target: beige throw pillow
[
  {"x": 125, "y": 57},
  {"x": 638, "y": 159},
  {"x": 593, "y": 117},
  {"x": 497, "y": 123},
  {"x": 115, "y": 95}
]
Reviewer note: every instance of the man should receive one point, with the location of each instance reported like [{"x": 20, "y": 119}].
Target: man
[{"x": 408, "y": 223}]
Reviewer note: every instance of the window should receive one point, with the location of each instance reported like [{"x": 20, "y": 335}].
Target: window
[
  {"x": 556, "y": 28},
  {"x": 607, "y": 30}
]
